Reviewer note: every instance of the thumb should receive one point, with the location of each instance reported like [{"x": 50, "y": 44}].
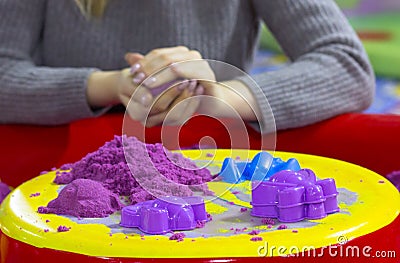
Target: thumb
[{"x": 132, "y": 58}]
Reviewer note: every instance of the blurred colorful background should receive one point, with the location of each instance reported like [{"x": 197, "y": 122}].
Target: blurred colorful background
[{"x": 377, "y": 22}]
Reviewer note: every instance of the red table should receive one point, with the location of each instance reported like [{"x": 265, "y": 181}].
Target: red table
[{"x": 371, "y": 141}]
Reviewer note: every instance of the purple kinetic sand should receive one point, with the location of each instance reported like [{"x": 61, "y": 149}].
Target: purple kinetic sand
[
  {"x": 4, "y": 191},
  {"x": 83, "y": 198},
  {"x": 63, "y": 229},
  {"x": 280, "y": 227},
  {"x": 254, "y": 232},
  {"x": 200, "y": 224},
  {"x": 255, "y": 239},
  {"x": 149, "y": 165},
  {"x": 177, "y": 236},
  {"x": 394, "y": 178}
]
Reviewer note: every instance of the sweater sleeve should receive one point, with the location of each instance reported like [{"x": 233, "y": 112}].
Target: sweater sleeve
[
  {"x": 30, "y": 93},
  {"x": 330, "y": 73}
]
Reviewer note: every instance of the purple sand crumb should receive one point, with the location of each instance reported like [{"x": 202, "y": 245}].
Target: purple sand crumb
[
  {"x": 235, "y": 192},
  {"x": 231, "y": 228},
  {"x": 209, "y": 217},
  {"x": 295, "y": 231},
  {"x": 83, "y": 198},
  {"x": 238, "y": 230},
  {"x": 255, "y": 239},
  {"x": 269, "y": 226},
  {"x": 159, "y": 171},
  {"x": 268, "y": 221},
  {"x": 381, "y": 181},
  {"x": 231, "y": 203},
  {"x": 63, "y": 229},
  {"x": 209, "y": 155},
  {"x": 237, "y": 158},
  {"x": 4, "y": 191},
  {"x": 254, "y": 232},
  {"x": 200, "y": 224},
  {"x": 177, "y": 236},
  {"x": 243, "y": 209},
  {"x": 34, "y": 194},
  {"x": 47, "y": 220},
  {"x": 43, "y": 172},
  {"x": 45, "y": 230},
  {"x": 280, "y": 227}
]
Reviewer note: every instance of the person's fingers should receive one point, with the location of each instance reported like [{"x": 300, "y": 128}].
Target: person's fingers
[
  {"x": 138, "y": 78},
  {"x": 181, "y": 108},
  {"x": 160, "y": 78},
  {"x": 164, "y": 60},
  {"x": 165, "y": 99},
  {"x": 194, "y": 69},
  {"x": 158, "y": 59},
  {"x": 132, "y": 58},
  {"x": 140, "y": 93},
  {"x": 135, "y": 110},
  {"x": 187, "y": 68},
  {"x": 162, "y": 52},
  {"x": 180, "y": 114},
  {"x": 143, "y": 96}
]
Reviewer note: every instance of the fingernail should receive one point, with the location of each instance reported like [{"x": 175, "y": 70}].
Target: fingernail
[
  {"x": 181, "y": 86},
  {"x": 135, "y": 68},
  {"x": 139, "y": 78},
  {"x": 192, "y": 85},
  {"x": 145, "y": 100},
  {"x": 150, "y": 81},
  {"x": 199, "y": 90}
]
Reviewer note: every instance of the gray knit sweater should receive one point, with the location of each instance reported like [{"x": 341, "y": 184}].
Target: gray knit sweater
[{"x": 48, "y": 49}]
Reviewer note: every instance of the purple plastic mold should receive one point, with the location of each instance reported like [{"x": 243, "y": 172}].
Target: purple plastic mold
[
  {"x": 165, "y": 214},
  {"x": 292, "y": 196}
]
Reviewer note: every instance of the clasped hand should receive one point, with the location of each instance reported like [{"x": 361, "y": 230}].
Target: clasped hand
[{"x": 164, "y": 82}]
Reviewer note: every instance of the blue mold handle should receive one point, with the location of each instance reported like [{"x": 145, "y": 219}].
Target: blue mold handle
[
  {"x": 229, "y": 172},
  {"x": 279, "y": 165},
  {"x": 259, "y": 166}
]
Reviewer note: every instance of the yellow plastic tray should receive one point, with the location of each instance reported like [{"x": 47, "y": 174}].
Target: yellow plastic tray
[{"x": 368, "y": 202}]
